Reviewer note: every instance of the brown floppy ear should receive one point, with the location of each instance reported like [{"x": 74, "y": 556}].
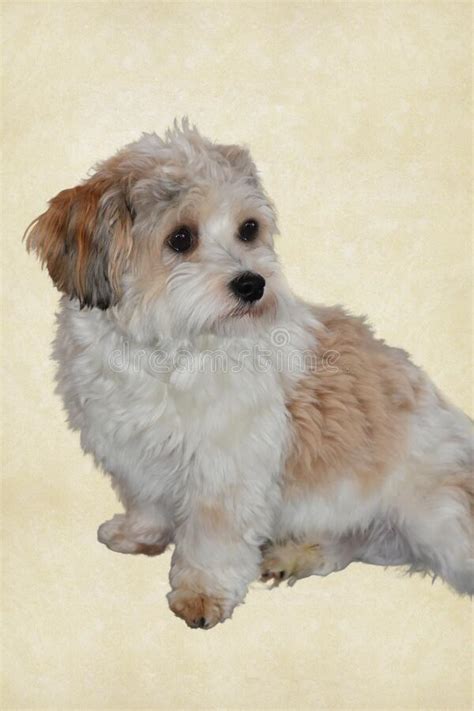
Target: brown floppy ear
[{"x": 84, "y": 238}]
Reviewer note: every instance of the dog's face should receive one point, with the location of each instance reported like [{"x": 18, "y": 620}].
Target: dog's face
[{"x": 175, "y": 236}]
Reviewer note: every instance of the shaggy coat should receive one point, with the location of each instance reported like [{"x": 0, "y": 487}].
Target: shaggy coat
[{"x": 258, "y": 434}]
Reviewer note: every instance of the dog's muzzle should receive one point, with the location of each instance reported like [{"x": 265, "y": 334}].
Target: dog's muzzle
[{"x": 248, "y": 286}]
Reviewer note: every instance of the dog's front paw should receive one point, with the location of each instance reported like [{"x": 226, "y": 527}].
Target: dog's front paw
[
  {"x": 122, "y": 536},
  {"x": 198, "y": 610}
]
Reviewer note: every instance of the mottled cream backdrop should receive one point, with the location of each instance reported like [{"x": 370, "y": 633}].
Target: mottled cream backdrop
[{"x": 358, "y": 115}]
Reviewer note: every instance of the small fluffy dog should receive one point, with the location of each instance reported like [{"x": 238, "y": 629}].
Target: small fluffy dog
[{"x": 261, "y": 435}]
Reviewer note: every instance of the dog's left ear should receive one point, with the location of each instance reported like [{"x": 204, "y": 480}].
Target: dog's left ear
[{"x": 84, "y": 238}]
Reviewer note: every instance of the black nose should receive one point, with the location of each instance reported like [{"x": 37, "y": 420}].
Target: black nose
[{"x": 248, "y": 286}]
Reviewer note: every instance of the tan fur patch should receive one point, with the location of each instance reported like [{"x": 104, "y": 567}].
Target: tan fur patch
[{"x": 350, "y": 419}]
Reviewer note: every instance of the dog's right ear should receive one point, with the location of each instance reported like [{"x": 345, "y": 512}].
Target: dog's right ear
[{"x": 84, "y": 238}]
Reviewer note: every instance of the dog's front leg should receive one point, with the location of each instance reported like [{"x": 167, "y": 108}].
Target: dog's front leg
[{"x": 211, "y": 568}]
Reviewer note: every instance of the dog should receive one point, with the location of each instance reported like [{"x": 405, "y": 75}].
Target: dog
[{"x": 262, "y": 436}]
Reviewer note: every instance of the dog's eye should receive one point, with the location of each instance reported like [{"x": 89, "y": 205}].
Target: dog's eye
[
  {"x": 248, "y": 230},
  {"x": 181, "y": 240}
]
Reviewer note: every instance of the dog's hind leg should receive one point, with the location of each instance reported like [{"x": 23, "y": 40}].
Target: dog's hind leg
[
  {"x": 440, "y": 532},
  {"x": 380, "y": 544}
]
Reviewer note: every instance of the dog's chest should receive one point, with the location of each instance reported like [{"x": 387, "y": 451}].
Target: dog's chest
[
  {"x": 212, "y": 417},
  {"x": 230, "y": 419}
]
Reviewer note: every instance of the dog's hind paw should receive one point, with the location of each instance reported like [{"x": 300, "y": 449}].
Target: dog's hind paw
[{"x": 290, "y": 561}]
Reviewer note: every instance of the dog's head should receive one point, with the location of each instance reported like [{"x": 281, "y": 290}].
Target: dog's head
[{"x": 174, "y": 235}]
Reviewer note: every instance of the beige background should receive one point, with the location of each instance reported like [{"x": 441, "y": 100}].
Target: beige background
[{"x": 358, "y": 116}]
